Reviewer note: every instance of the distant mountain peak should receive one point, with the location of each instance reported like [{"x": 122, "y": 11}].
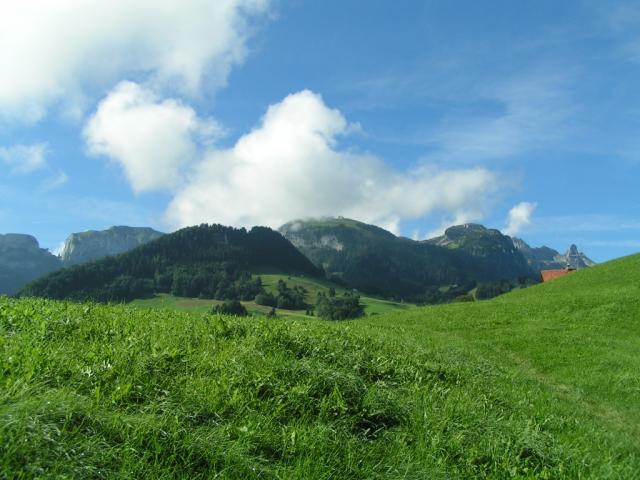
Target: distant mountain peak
[
  {"x": 545, "y": 258},
  {"x": 577, "y": 259}
]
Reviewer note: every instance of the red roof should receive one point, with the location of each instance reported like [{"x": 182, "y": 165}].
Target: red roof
[{"x": 548, "y": 275}]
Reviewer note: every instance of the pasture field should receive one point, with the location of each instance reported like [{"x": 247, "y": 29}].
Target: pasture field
[
  {"x": 372, "y": 305},
  {"x": 542, "y": 382}
]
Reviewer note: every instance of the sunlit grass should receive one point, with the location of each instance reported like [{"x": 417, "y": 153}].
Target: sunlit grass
[{"x": 539, "y": 383}]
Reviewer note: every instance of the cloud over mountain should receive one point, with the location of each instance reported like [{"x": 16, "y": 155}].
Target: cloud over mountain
[
  {"x": 292, "y": 166},
  {"x": 519, "y": 217}
]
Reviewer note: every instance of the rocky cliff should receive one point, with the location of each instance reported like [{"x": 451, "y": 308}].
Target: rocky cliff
[
  {"x": 545, "y": 258},
  {"x": 577, "y": 259},
  {"x": 22, "y": 260},
  {"x": 92, "y": 245}
]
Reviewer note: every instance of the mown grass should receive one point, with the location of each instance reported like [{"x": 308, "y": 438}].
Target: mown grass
[{"x": 539, "y": 383}]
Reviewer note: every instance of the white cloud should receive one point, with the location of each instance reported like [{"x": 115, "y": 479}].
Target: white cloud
[
  {"x": 23, "y": 159},
  {"x": 519, "y": 217},
  {"x": 531, "y": 112},
  {"x": 290, "y": 167},
  {"x": 151, "y": 139},
  {"x": 60, "y": 50},
  {"x": 54, "y": 182}
]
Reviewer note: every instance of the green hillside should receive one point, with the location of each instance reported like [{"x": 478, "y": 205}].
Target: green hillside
[{"x": 539, "y": 383}]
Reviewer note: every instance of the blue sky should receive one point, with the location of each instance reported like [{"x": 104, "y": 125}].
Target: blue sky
[{"x": 412, "y": 115}]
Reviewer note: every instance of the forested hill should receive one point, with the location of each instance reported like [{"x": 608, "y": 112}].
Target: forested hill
[
  {"x": 496, "y": 255},
  {"x": 377, "y": 262},
  {"x": 208, "y": 261}
]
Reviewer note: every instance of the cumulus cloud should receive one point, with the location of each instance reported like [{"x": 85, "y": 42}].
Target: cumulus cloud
[
  {"x": 519, "y": 217},
  {"x": 23, "y": 159},
  {"x": 151, "y": 139},
  {"x": 59, "y": 50},
  {"x": 291, "y": 166}
]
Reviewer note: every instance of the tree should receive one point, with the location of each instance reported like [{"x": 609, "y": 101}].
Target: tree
[
  {"x": 266, "y": 299},
  {"x": 339, "y": 308},
  {"x": 230, "y": 307}
]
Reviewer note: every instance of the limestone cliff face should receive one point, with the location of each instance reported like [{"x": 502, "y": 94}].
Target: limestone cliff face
[
  {"x": 22, "y": 260},
  {"x": 92, "y": 245}
]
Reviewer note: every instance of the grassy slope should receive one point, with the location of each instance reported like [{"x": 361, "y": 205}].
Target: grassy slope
[
  {"x": 540, "y": 383},
  {"x": 578, "y": 335},
  {"x": 373, "y": 306}
]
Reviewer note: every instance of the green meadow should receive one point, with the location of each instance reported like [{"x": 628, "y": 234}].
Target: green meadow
[
  {"x": 372, "y": 305},
  {"x": 543, "y": 382}
]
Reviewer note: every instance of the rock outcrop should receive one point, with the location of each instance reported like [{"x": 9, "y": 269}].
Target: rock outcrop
[
  {"x": 93, "y": 245},
  {"x": 577, "y": 259}
]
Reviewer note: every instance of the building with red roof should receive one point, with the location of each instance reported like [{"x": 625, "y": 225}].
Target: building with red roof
[{"x": 548, "y": 275}]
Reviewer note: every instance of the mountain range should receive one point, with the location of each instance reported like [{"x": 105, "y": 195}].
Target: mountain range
[
  {"x": 351, "y": 253},
  {"x": 22, "y": 260},
  {"x": 206, "y": 261},
  {"x": 545, "y": 258},
  {"x": 377, "y": 262}
]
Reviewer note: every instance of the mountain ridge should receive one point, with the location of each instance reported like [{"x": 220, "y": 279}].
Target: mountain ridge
[{"x": 375, "y": 261}]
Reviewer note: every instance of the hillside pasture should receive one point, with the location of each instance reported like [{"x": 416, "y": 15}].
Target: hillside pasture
[{"x": 542, "y": 382}]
